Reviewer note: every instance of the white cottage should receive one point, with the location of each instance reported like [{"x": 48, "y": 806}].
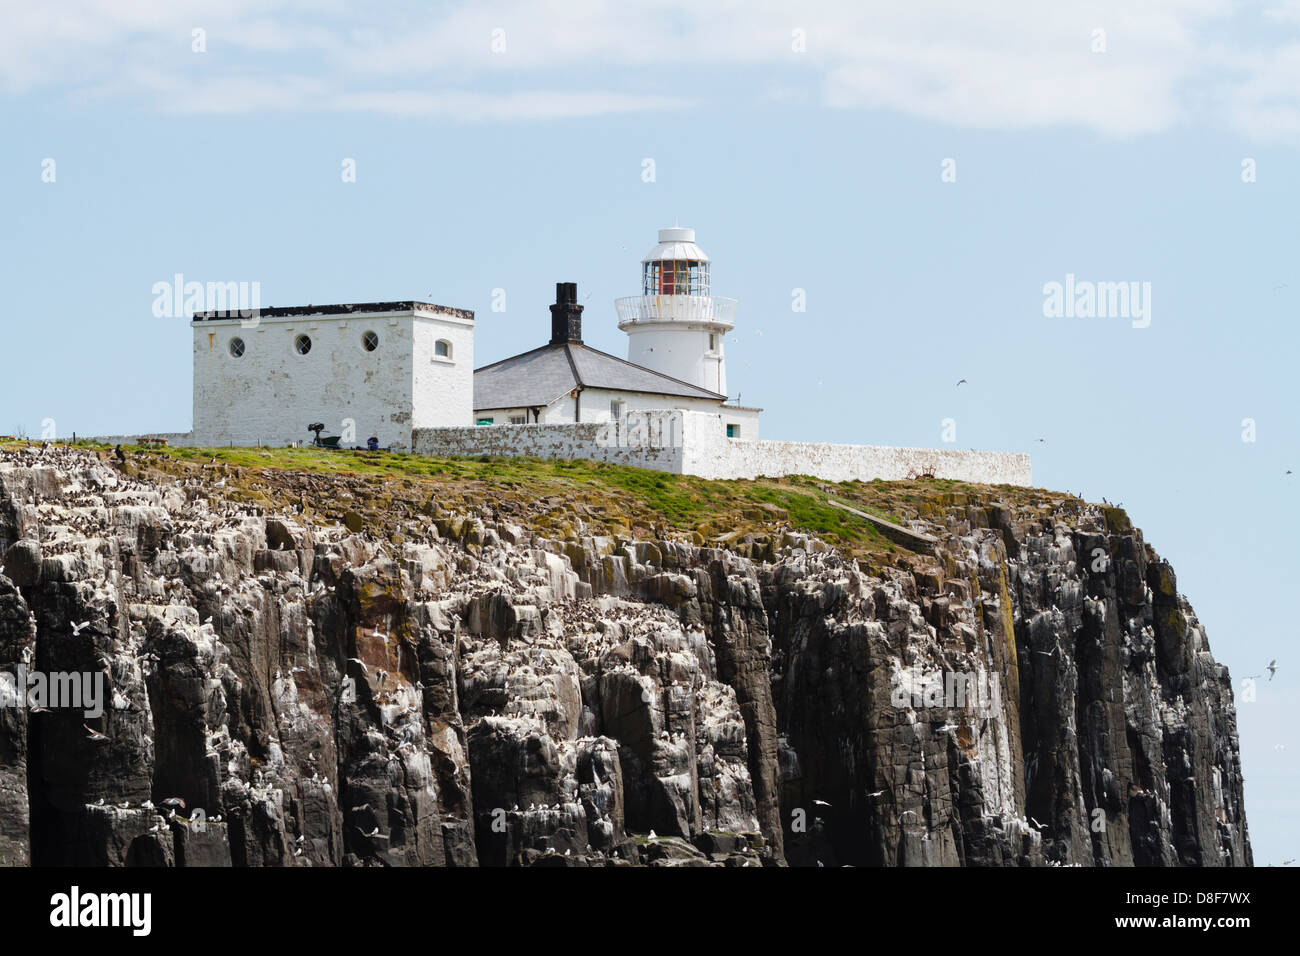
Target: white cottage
[{"x": 675, "y": 360}]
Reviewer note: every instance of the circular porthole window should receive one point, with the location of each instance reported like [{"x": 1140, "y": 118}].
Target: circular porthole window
[
  {"x": 370, "y": 341},
  {"x": 303, "y": 344},
  {"x": 236, "y": 347}
]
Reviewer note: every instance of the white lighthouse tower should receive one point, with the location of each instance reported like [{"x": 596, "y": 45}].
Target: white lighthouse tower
[{"x": 675, "y": 326}]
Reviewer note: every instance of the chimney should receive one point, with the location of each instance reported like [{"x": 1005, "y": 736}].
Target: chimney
[{"x": 566, "y": 314}]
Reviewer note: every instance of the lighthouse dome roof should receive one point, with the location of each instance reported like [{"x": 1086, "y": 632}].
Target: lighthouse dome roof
[{"x": 676, "y": 243}]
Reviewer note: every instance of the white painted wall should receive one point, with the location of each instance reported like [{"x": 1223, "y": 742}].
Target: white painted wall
[
  {"x": 595, "y": 407},
  {"x": 271, "y": 393},
  {"x": 589, "y": 440},
  {"x": 680, "y": 350},
  {"x": 442, "y": 388},
  {"x": 596, "y": 403},
  {"x": 695, "y": 443},
  {"x": 710, "y": 454}
]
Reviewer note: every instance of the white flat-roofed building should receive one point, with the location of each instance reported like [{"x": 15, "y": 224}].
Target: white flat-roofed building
[{"x": 368, "y": 369}]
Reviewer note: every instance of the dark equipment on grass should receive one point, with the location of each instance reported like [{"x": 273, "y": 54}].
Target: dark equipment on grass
[{"x": 329, "y": 441}]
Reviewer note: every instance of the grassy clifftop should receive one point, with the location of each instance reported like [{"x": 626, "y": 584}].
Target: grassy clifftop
[{"x": 379, "y": 491}]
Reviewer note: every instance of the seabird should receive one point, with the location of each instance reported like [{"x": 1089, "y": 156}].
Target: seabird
[
  {"x": 95, "y": 735},
  {"x": 1272, "y": 668},
  {"x": 960, "y": 384}
]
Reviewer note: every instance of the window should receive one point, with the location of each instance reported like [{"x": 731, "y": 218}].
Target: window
[
  {"x": 518, "y": 419},
  {"x": 713, "y": 342},
  {"x": 733, "y": 431},
  {"x": 302, "y": 344},
  {"x": 675, "y": 277},
  {"x": 442, "y": 349},
  {"x": 236, "y": 347},
  {"x": 616, "y": 408},
  {"x": 370, "y": 341}
]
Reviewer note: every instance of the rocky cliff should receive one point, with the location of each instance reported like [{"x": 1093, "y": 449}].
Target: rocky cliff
[{"x": 300, "y": 676}]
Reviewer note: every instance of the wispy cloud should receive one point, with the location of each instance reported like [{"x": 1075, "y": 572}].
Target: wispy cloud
[{"x": 1015, "y": 64}]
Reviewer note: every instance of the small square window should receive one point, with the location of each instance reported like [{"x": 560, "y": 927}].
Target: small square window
[
  {"x": 733, "y": 431},
  {"x": 518, "y": 420}
]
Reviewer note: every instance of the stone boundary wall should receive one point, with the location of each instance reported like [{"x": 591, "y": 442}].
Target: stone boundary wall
[
  {"x": 861, "y": 462},
  {"x": 595, "y": 441},
  {"x": 695, "y": 443},
  {"x": 175, "y": 439},
  {"x": 710, "y": 454}
]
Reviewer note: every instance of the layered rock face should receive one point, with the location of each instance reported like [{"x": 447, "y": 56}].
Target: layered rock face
[{"x": 470, "y": 692}]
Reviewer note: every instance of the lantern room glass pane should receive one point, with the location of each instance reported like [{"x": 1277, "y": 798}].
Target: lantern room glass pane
[{"x": 675, "y": 277}]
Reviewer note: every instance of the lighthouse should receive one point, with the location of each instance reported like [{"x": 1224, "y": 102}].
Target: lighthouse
[{"x": 676, "y": 326}]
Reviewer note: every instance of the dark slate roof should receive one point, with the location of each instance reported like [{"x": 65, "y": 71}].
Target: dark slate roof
[
  {"x": 541, "y": 376},
  {"x": 345, "y": 308}
]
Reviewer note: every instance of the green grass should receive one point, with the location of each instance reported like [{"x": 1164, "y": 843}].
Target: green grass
[{"x": 548, "y": 494}]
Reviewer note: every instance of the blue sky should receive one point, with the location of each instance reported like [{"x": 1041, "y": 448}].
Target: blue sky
[{"x": 817, "y": 170}]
